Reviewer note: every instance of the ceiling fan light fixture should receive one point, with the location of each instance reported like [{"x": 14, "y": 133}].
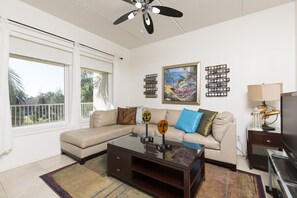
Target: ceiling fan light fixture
[
  {"x": 145, "y": 8},
  {"x": 138, "y": 5},
  {"x": 131, "y": 16},
  {"x": 147, "y": 20},
  {"x": 155, "y": 10}
]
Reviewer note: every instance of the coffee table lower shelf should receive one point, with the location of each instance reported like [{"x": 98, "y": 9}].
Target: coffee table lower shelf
[{"x": 153, "y": 176}]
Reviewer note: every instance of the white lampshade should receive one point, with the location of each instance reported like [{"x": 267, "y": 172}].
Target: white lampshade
[{"x": 265, "y": 92}]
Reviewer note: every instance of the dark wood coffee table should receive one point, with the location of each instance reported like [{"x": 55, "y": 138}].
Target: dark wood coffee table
[{"x": 177, "y": 172}]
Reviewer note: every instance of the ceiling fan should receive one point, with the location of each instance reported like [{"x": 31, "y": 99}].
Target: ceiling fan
[{"x": 145, "y": 8}]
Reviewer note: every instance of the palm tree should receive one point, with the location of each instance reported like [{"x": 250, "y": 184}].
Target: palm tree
[
  {"x": 16, "y": 96},
  {"x": 16, "y": 89},
  {"x": 87, "y": 86}
]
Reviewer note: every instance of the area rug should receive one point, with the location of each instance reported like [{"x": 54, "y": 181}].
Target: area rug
[{"x": 90, "y": 180}]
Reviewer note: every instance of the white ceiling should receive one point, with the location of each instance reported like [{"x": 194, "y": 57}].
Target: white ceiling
[{"x": 97, "y": 16}]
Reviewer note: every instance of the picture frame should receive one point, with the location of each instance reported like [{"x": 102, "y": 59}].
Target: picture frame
[{"x": 181, "y": 84}]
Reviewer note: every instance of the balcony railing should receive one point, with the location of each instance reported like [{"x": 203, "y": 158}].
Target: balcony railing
[
  {"x": 86, "y": 108},
  {"x": 23, "y": 115}
]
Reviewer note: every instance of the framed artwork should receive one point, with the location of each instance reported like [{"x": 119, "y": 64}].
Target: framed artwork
[{"x": 181, "y": 84}]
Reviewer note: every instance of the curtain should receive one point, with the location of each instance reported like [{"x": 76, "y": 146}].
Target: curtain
[
  {"x": 116, "y": 81},
  {"x": 5, "y": 115},
  {"x": 75, "y": 90}
]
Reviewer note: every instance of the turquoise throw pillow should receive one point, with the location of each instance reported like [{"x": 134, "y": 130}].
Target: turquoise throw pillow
[{"x": 188, "y": 121}]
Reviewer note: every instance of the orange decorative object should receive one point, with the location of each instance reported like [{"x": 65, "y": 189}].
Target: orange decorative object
[{"x": 163, "y": 126}]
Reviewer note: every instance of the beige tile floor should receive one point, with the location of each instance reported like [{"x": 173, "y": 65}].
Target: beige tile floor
[{"x": 24, "y": 182}]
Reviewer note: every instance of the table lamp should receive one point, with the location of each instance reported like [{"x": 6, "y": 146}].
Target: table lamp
[{"x": 263, "y": 93}]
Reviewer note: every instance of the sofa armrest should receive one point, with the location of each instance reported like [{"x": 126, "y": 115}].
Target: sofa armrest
[
  {"x": 103, "y": 118},
  {"x": 229, "y": 145}
]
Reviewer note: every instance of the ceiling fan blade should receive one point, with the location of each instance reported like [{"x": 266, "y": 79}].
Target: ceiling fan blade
[
  {"x": 168, "y": 11},
  {"x": 129, "y": 1},
  {"x": 124, "y": 17},
  {"x": 150, "y": 1},
  {"x": 148, "y": 23}
]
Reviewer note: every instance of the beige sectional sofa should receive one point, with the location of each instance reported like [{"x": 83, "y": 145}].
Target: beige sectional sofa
[{"x": 83, "y": 144}]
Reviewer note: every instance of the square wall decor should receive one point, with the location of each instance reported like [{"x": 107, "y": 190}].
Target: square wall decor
[
  {"x": 181, "y": 84},
  {"x": 217, "y": 81},
  {"x": 150, "y": 87}
]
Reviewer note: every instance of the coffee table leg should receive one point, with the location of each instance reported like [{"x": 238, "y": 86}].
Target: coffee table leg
[{"x": 187, "y": 190}]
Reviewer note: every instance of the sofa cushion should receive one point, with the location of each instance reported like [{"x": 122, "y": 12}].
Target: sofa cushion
[
  {"x": 221, "y": 124},
  {"x": 157, "y": 115},
  {"x": 205, "y": 125},
  {"x": 173, "y": 133},
  {"x": 188, "y": 120},
  {"x": 127, "y": 116},
  {"x": 84, "y": 138},
  {"x": 208, "y": 142},
  {"x": 172, "y": 116},
  {"x": 104, "y": 118},
  {"x": 140, "y": 129}
]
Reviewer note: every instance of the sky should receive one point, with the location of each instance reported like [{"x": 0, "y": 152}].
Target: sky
[{"x": 38, "y": 77}]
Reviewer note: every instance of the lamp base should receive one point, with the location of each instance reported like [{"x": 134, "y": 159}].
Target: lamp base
[{"x": 265, "y": 127}]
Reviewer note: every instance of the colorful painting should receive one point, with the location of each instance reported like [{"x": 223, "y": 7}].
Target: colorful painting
[{"x": 181, "y": 84}]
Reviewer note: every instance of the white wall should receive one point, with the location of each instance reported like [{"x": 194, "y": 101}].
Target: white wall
[
  {"x": 27, "y": 149},
  {"x": 296, "y": 43},
  {"x": 258, "y": 48}
]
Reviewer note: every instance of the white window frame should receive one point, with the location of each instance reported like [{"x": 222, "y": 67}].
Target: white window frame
[
  {"x": 107, "y": 66},
  {"x": 31, "y": 35},
  {"x": 47, "y": 127}
]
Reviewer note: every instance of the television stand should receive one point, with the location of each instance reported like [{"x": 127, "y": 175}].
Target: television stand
[{"x": 283, "y": 173}]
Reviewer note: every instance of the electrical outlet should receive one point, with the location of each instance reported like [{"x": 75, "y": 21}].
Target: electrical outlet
[{"x": 238, "y": 138}]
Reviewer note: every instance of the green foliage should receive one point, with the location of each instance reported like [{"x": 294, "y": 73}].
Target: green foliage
[
  {"x": 87, "y": 86},
  {"x": 50, "y": 97},
  {"x": 16, "y": 95},
  {"x": 16, "y": 89}
]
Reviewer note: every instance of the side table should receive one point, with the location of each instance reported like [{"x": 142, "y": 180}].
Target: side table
[{"x": 257, "y": 144}]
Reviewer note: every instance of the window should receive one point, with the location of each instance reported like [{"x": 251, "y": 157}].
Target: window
[
  {"x": 36, "y": 91},
  {"x": 96, "y": 81},
  {"x": 94, "y": 91}
]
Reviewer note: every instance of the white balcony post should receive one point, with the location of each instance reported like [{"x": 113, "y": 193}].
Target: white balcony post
[{"x": 48, "y": 113}]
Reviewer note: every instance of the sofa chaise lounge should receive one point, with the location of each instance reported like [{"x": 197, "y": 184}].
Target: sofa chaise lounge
[{"x": 84, "y": 144}]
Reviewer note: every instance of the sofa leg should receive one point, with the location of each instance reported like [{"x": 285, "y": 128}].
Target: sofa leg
[
  {"x": 81, "y": 161},
  {"x": 233, "y": 168}
]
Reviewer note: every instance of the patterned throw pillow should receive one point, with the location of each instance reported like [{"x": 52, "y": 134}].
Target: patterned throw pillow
[
  {"x": 188, "y": 121},
  {"x": 127, "y": 116},
  {"x": 205, "y": 126},
  {"x": 138, "y": 114}
]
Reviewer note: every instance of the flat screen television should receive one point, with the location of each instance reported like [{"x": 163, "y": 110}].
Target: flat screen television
[{"x": 289, "y": 125}]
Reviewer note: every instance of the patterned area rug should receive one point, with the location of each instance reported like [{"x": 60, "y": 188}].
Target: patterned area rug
[{"x": 90, "y": 180}]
